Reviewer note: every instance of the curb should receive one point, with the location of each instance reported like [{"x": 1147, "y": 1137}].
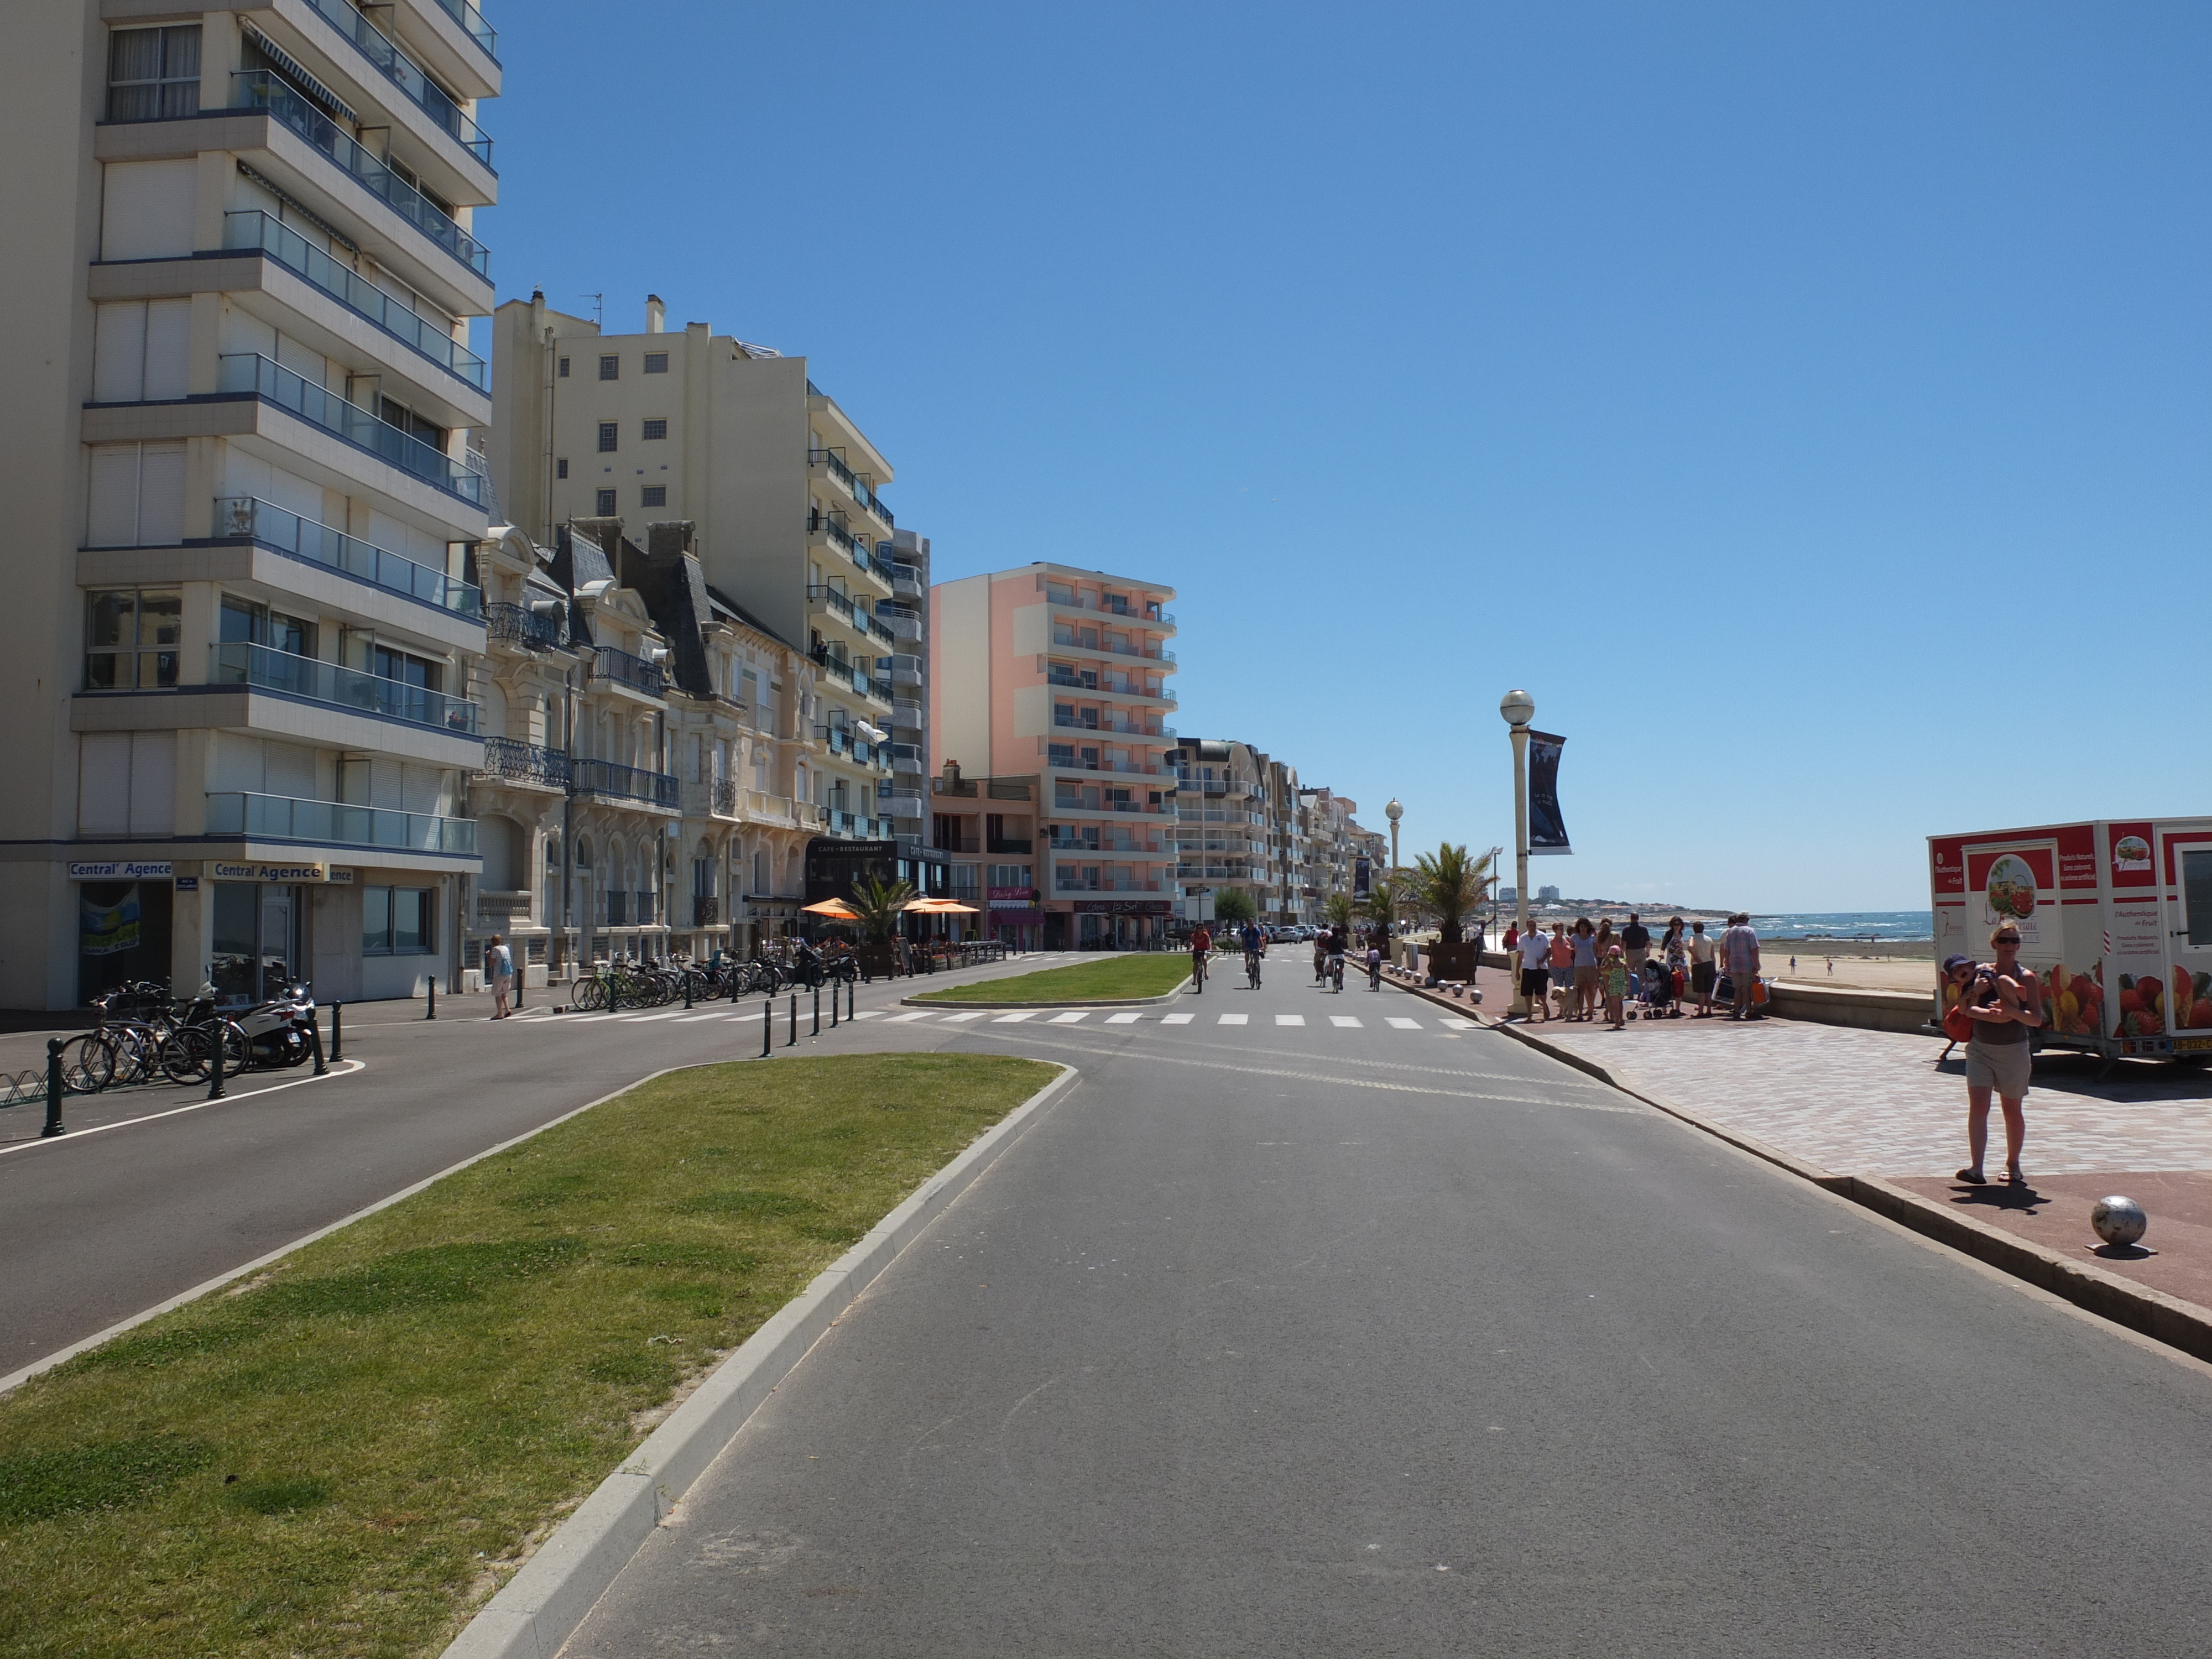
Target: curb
[
  {"x": 2138, "y": 1308},
  {"x": 1071, "y": 1002},
  {"x": 540, "y": 1607}
]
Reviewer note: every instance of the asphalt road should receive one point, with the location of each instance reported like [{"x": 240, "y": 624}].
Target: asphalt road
[
  {"x": 1289, "y": 1340},
  {"x": 96, "y": 1226}
]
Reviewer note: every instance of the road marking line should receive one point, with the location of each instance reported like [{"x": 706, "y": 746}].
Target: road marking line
[
  {"x": 973, "y": 1013},
  {"x": 1456, "y": 1025},
  {"x": 1398, "y": 1024},
  {"x": 1074, "y": 1016},
  {"x": 1123, "y": 1019},
  {"x": 908, "y": 1019},
  {"x": 1011, "y": 1020},
  {"x": 1233, "y": 1019},
  {"x": 338, "y": 1068},
  {"x": 1295, "y": 1019},
  {"x": 1177, "y": 1019},
  {"x": 869, "y": 1014},
  {"x": 1346, "y": 1020}
]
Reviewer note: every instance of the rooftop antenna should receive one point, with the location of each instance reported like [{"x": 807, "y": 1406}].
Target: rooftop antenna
[{"x": 599, "y": 310}]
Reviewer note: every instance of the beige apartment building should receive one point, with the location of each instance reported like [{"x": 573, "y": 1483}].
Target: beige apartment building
[
  {"x": 780, "y": 488},
  {"x": 1060, "y": 673},
  {"x": 244, "y": 492},
  {"x": 1237, "y": 827}
]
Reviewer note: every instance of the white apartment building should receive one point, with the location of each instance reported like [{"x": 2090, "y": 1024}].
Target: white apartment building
[
  {"x": 1236, "y": 826},
  {"x": 780, "y": 487},
  {"x": 240, "y": 276}
]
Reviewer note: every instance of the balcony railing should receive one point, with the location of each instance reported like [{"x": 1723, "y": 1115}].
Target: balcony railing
[
  {"x": 717, "y": 796},
  {"x": 706, "y": 910},
  {"x": 857, "y": 485},
  {"x": 239, "y": 518},
  {"x": 904, "y": 625},
  {"x": 399, "y": 69},
  {"x": 1151, "y": 615},
  {"x": 600, "y": 777},
  {"x": 844, "y": 672},
  {"x": 1066, "y": 762},
  {"x": 334, "y": 823},
  {"x": 906, "y": 670},
  {"x": 1122, "y": 849},
  {"x": 520, "y": 626},
  {"x": 253, "y": 375},
  {"x": 258, "y": 665},
  {"x": 1010, "y": 844},
  {"x": 1063, "y": 641},
  {"x": 510, "y": 760},
  {"x": 471, "y": 21},
  {"x": 1066, "y": 881},
  {"x": 251, "y": 228},
  {"x": 609, "y": 664},
  {"x": 259, "y": 89},
  {"x": 1106, "y": 723},
  {"x": 906, "y": 579}
]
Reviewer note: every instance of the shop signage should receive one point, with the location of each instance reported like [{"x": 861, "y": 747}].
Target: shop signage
[
  {"x": 1011, "y": 898},
  {"x": 280, "y": 873},
  {"x": 1027, "y": 916},
  {"x": 1122, "y": 907},
  {"x": 188, "y": 883},
  {"x": 123, "y": 870}
]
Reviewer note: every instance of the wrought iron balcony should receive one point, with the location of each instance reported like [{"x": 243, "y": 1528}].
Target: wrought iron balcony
[
  {"x": 623, "y": 669},
  {"x": 520, "y": 626},
  {"x": 610, "y": 778},
  {"x": 855, "y": 485},
  {"x": 258, "y": 665},
  {"x": 248, "y": 518},
  {"x": 706, "y": 910},
  {"x": 509, "y": 760},
  {"x": 254, "y": 375},
  {"x": 336, "y": 824}
]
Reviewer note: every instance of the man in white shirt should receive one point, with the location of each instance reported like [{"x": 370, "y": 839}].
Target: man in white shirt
[
  {"x": 1535, "y": 971},
  {"x": 499, "y": 968},
  {"x": 1740, "y": 956}
]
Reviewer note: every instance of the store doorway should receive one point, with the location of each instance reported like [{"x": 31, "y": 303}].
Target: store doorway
[{"x": 256, "y": 941}]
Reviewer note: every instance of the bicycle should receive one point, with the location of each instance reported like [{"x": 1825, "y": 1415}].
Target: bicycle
[
  {"x": 1336, "y": 974},
  {"x": 1252, "y": 969},
  {"x": 1198, "y": 972}
]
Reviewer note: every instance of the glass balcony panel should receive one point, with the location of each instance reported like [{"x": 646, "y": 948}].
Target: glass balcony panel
[
  {"x": 472, "y": 21},
  {"x": 338, "y": 823},
  {"x": 241, "y": 517},
  {"x": 426, "y": 94},
  {"x": 252, "y": 374},
  {"x": 258, "y": 665}
]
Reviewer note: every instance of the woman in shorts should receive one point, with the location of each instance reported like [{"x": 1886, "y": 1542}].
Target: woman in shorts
[
  {"x": 1563, "y": 966},
  {"x": 2006, "y": 1003}
]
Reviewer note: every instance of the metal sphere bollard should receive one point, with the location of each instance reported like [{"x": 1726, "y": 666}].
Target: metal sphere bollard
[{"x": 2117, "y": 1220}]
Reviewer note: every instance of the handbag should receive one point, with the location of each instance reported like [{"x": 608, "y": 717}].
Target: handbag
[{"x": 1758, "y": 992}]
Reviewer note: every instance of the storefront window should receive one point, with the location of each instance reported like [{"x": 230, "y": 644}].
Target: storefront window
[{"x": 397, "y": 921}]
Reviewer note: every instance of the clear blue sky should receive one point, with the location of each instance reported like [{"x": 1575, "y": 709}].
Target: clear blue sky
[{"x": 1782, "y": 393}]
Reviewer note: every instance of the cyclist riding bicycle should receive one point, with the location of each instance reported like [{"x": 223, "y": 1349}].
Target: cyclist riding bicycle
[
  {"x": 1336, "y": 946},
  {"x": 1201, "y": 947},
  {"x": 1256, "y": 946}
]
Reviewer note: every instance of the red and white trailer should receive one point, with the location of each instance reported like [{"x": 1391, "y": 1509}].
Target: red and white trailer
[{"x": 2116, "y": 918}]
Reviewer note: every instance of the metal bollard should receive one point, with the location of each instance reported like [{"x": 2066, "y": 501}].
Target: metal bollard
[
  {"x": 687, "y": 990},
  {"x": 816, "y": 1031},
  {"x": 53, "y": 1090},
  {"x": 833, "y": 1005},
  {"x": 767, "y": 1021},
  {"x": 608, "y": 980},
  {"x": 214, "y": 1065},
  {"x": 433, "y": 1014},
  {"x": 793, "y": 1037},
  {"x": 522, "y": 976},
  {"x": 315, "y": 1042},
  {"x": 338, "y": 1035}
]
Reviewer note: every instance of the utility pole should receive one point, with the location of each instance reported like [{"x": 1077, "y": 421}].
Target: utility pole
[{"x": 1517, "y": 707}]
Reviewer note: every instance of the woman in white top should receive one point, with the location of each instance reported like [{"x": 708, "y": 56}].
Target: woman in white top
[{"x": 1702, "y": 952}]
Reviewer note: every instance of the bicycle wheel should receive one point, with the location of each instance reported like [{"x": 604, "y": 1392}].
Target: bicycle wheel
[
  {"x": 87, "y": 1063},
  {"x": 185, "y": 1053},
  {"x": 588, "y": 995},
  {"x": 138, "y": 1054}
]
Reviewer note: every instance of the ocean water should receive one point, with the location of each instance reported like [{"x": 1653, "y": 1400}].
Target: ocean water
[{"x": 1849, "y": 924}]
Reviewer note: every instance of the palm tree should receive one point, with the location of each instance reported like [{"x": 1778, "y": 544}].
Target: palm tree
[
  {"x": 1383, "y": 893},
  {"x": 1447, "y": 886},
  {"x": 1337, "y": 910},
  {"x": 876, "y": 906}
]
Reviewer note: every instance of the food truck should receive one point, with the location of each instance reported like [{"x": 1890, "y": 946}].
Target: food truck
[{"x": 2115, "y": 918}]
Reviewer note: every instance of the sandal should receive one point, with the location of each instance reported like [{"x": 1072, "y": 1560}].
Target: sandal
[
  {"x": 2014, "y": 1178},
  {"x": 1973, "y": 1176}
]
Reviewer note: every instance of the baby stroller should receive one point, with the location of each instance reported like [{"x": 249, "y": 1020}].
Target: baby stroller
[{"x": 1658, "y": 993}]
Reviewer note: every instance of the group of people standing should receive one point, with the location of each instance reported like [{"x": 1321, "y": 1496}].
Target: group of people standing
[{"x": 1586, "y": 965}]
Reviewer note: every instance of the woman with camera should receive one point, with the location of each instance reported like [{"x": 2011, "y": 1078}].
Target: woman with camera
[{"x": 2005, "y": 1003}]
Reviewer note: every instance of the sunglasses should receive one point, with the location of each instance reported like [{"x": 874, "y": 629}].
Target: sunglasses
[{"x": 2005, "y": 939}]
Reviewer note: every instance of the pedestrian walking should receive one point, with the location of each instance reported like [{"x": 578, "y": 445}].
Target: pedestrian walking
[
  {"x": 1535, "y": 958},
  {"x": 499, "y": 962},
  {"x": 1635, "y": 943},
  {"x": 1615, "y": 980},
  {"x": 1739, "y": 957},
  {"x": 1702, "y": 954},
  {"x": 1563, "y": 968},
  {"x": 1586, "y": 961},
  {"x": 2006, "y": 1003}
]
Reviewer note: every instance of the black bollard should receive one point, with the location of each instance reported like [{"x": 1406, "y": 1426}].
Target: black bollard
[
  {"x": 816, "y": 1031},
  {"x": 338, "y": 1035},
  {"x": 315, "y": 1042},
  {"x": 521, "y": 974},
  {"x": 767, "y": 1021},
  {"x": 833, "y": 1005},
  {"x": 214, "y": 1064},
  {"x": 53, "y": 1090},
  {"x": 793, "y": 1037},
  {"x": 687, "y": 990},
  {"x": 433, "y": 1014},
  {"x": 851, "y": 987}
]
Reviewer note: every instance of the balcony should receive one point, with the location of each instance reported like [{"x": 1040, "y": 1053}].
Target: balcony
[
  {"x": 1129, "y": 728},
  {"x": 509, "y": 760},
  {"x": 905, "y": 757},
  {"x": 521, "y": 627},
  {"x": 706, "y": 910},
  {"x": 252, "y": 229},
  {"x": 1120, "y": 847},
  {"x": 906, "y": 670},
  {"x": 473, "y": 24},
  {"x": 839, "y": 671},
  {"x": 400, "y": 69},
  {"x": 250, "y": 374},
  {"x": 1149, "y": 616},
  {"x": 623, "y": 669},
  {"x": 902, "y": 623},
  {"x": 334, "y": 823},
  {"x": 854, "y": 485},
  {"x": 1069, "y": 881},
  {"x": 899, "y": 804},
  {"x": 906, "y": 714},
  {"x": 619, "y": 783},
  {"x": 906, "y": 579},
  {"x": 1022, "y": 844},
  {"x": 259, "y": 90},
  {"x": 1062, "y": 760},
  {"x": 248, "y": 518},
  {"x": 956, "y": 844},
  {"x": 239, "y": 663},
  {"x": 856, "y": 825},
  {"x": 711, "y": 798}
]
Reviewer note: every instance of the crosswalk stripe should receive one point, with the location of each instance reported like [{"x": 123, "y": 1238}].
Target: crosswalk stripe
[
  {"x": 1011, "y": 1020},
  {"x": 1398, "y": 1024},
  {"x": 869, "y": 1013},
  {"x": 1456, "y": 1025},
  {"x": 1177, "y": 1019},
  {"x": 641, "y": 1019},
  {"x": 957, "y": 1019},
  {"x": 1345, "y": 1020},
  {"x": 908, "y": 1019},
  {"x": 1073, "y": 1016},
  {"x": 1290, "y": 1019},
  {"x": 1123, "y": 1019},
  {"x": 1232, "y": 1020}
]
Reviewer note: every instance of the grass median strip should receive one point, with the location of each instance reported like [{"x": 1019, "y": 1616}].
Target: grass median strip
[
  {"x": 348, "y": 1454},
  {"x": 1140, "y": 974}
]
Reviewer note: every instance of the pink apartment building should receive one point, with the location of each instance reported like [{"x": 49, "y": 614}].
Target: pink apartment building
[{"x": 1061, "y": 675}]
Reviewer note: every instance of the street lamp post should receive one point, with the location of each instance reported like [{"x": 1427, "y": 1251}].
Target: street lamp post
[
  {"x": 1517, "y": 707},
  {"x": 1394, "y": 811}
]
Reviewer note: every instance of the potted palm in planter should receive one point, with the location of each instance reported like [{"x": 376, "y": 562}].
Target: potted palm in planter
[
  {"x": 878, "y": 907},
  {"x": 1447, "y": 887}
]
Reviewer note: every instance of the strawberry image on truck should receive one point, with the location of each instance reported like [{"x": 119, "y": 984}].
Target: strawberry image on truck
[{"x": 2114, "y": 918}]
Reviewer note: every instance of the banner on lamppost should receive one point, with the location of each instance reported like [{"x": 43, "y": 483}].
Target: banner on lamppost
[
  {"x": 1361, "y": 877},
  {"x": 1547, "y": 830}
]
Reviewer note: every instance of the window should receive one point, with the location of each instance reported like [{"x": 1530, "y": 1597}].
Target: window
[
  {"x": 655, "y": 429},
  {"x": 397, "y": 921},
  {"x": 1009, "y": 875},
  {"x": 132, "y": 636},
  {"x": 608, "y": 436},
  {"x": 656, "y": 362},
  {"x": 562, "y": 373},
  {"x": 611, "y": 368},
  {"x": 561, "y": 467},
  {"x": 606, "y": 503},
  {"x": 653, "y": 495},
  {"x": 154, "y": 75},
  {"x": 246, "y": 623}
]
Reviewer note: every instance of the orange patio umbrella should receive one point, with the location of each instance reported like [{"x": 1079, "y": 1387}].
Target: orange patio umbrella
[{"x": 837, "y": 910}]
